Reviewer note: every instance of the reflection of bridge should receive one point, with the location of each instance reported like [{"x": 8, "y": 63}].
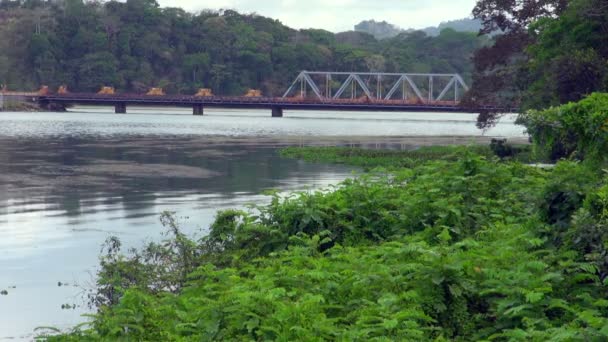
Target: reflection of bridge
[{"x": 310, "y": 91}]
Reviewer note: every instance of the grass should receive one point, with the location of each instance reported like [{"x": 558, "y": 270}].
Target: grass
[{"x": 395, "y": 159}]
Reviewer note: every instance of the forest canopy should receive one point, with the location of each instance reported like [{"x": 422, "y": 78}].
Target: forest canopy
[
  {"x": 553, "y": 52},
  {"x": 136, "y": 44}
]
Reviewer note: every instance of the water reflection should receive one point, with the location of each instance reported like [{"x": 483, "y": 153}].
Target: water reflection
[
  {"x": 69, "y": 171},
  {"x": 62, "y": 197}
]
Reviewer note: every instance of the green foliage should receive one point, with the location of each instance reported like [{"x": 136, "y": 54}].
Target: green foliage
[
  {"x": 576, "y": 130},
  {"x": 397, "y": 159},
  {"x": 565, "y": 193},
  {"x": 389, "y": 159},
  {"x": 136, "y": 44},
  {"x": 96, "y": 70},
  {"x": 569, "y": 58},
  {"x": 554, "y": 52},
  {"x": 460, "y": 249},
  {"x": 589, "y": 233},
  {"x": 158, "y": 267}
]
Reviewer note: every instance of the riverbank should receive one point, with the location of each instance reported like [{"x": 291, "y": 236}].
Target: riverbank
[
  {"x": 91, "y": 174},
  {"x": 460, "y": 248}
]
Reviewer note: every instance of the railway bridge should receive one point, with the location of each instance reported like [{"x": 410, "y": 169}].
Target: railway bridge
[{"x": 335, "y": 91}]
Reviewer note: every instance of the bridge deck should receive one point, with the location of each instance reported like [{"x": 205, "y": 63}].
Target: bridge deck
[{"x": 263, "y": 103}]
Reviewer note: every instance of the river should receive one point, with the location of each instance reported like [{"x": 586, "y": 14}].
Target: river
[{"x": 70, "y": 180}]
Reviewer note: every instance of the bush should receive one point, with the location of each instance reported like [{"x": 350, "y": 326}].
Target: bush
[
  {"x": 576, "y": 130},
  {"x": 472, "y": 249}
]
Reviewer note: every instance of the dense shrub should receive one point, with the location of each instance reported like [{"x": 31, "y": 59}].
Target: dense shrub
[
  {"x": 575, "y": 130},
  {"x": 471, "y": 249}
]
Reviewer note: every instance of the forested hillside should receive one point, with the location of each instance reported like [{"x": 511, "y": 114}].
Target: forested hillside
[
  {"x": 135, "y": 45},
  {"x": 383, "y": 29}
]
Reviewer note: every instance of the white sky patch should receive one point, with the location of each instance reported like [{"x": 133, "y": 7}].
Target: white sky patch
[{"x": 340, "y": 15}]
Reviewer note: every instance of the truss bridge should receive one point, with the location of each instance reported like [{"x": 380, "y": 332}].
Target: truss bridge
[
  {"x": 311, "y": 90},
  {"x": 441, "y": 89}
]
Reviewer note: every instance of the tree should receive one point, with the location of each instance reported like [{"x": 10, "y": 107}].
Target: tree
[
  {"x": 195, "y": 65},
  {"x": 97, "y": 70},
  {"x": 498, "y": 72},
  {"x": 578, "y": 75},
  {"x": 569, "y": 57},
  {"x": 4, "y": 69},
  {"x": 375, "y": 63},
  {"x": 219, "y": 75},
  {"x": 514, "y": 15},
  {"x": 45, "y": 68},
  {"x": 136, "y": 44}
]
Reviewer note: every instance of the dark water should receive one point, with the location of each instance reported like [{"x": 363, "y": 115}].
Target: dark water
[{"x": 68, "y": 181}]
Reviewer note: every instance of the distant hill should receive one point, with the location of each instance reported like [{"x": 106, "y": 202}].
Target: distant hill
[
  {"x": 384, "y": 30},
  {"x": 460, "y": 25},
  {"x": 378, "y": 29}
]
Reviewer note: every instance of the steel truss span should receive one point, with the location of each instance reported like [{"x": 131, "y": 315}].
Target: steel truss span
[
  {"x": 311, "y": 90},
  {"x": 412, "y": 88}
]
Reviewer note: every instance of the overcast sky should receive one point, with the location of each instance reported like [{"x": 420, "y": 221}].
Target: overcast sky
[{"x": 340, "y": 15}]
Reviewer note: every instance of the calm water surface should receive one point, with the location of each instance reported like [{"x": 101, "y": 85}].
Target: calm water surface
[
  {"x": 96, "y": 121},
  {"x": 70, "y": 180}
]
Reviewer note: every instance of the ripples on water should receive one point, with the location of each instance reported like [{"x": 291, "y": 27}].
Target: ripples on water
[
  {"x": 103, "y": 122},
  {"x": 69, "y": 180}
]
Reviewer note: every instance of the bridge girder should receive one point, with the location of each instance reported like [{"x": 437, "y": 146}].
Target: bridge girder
[{"x": 412, "y": 90}]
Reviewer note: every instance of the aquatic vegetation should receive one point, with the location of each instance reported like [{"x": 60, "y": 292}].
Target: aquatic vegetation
[
  {"x": 397, "y": 159},
  {"x": 369, "y": 158}
]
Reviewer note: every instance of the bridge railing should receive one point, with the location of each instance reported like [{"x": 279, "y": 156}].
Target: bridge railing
[{"x": 238, "y": 99}]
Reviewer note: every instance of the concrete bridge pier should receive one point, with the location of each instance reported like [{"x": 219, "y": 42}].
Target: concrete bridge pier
[
  {"x": 120, "y": 108},
  {"x": 277, "y": 112},
  {"x": 197, "y": 109}
]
